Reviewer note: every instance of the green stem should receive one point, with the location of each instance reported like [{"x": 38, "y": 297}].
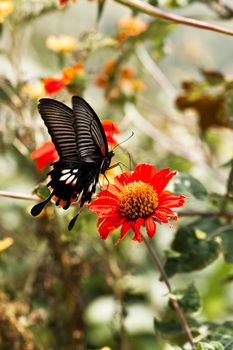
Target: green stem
[{"x": 175, "y": 304}]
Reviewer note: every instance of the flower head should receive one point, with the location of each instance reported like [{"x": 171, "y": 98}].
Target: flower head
[
  {"x": 71, "y": 72},
  {"x": 137, "y": 198},
  {"x": 44, "y": 155},
  {"x": 64, "y": 2},
  {"x": 62, "y": 43},
  {"x": 34, "y": 90},
  {"x": 111, "y": 130},
  {"x": 130, "y": 26},
  {"x": 6, "y": 8},
  {"x": 53, "y": 85}
]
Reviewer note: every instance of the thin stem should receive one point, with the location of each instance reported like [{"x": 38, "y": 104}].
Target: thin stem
[
  {"x": 175, "y": 304},
  {"x": 145, "y": 126},
  {"x": 18, "y": 195},
  {"x": 207, "y": 214},
  {"x": 154, "y": 11},
  {"x": 155, "y": 72}
]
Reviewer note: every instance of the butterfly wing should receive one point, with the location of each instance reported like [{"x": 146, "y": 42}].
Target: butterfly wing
[
  {"x": 81, "y": 143},
  {"x": 60, "y": 124},
  {"x": 92, "y": 143},
  {"x": 70, "y": 181}
]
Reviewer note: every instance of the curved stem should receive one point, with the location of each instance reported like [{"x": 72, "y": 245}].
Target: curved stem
[
  {"x": 175, "y": 304},
  {"x": 154, "y": 11}
]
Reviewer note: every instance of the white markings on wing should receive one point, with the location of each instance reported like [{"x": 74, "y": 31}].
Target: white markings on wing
[
  {"x": 91, "y": 186},
  {"x": 74, "y": 182},
  {"x": 69, "y": 176},
  {"x": 70, "y": 179},
  {"x": 64, "y": 171},
  {"x": 64, "y": 177}
]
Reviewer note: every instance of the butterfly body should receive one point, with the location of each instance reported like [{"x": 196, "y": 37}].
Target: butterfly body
[{"x": 81, "y": 143}]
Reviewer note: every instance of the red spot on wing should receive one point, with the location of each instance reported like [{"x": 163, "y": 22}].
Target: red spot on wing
[{"x": 103, "y": 150}]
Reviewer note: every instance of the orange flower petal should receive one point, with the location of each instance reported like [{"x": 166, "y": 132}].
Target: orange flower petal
[
  {"x": 109, "y": 225},
  {"x": 45, "y": 154},
  {"x": 171, "y": 200},
  {"x": 126, "y": 226},
  {"x": 144, "y": 172},
  {"x": 137, "y": 235},
  {"x": 162, "y": 178},
  {"x": 110, "y": 127},
  {"x": 150, "y": 227},
  {"x": 104, "y": 206},
  {"x": 123, "y": 179},
  {"x": 53, "y": 85}
]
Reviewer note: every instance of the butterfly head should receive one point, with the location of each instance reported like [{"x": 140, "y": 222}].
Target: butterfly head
[{"x": 107, "y": 161}]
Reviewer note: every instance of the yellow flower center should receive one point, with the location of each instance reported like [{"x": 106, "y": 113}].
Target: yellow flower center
[{"x": 138, "y": 200}]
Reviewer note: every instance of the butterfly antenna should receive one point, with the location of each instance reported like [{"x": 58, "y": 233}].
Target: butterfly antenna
[
  {"x": 72, "y": 221},
  {"x": 132, "y": 134}
]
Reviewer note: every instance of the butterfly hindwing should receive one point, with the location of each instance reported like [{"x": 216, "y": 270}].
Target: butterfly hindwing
[{"x": 72, "y": 180}]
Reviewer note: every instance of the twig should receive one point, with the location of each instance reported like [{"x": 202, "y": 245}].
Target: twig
[
  {"x": 223, "y": 10},
  {"x": 153, "y": 11},
  {"x": 159, "y": 137},
  {"x": 18, "y": 195},
  {"x": 155, "y": 71},
  {"x": 207, "y": 214},
  {"x": 175, "y": 304}
]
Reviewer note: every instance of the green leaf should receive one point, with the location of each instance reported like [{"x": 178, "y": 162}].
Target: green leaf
[
  {"x": 101, "y": 6},
  {"x": 187, "y": 184},
  {"x": 158, "y": 32},
  {"x": 188, "y": 299},
  {"x": 213, "y": 77},
  {"x": 230, "y": 181},
  {"x": 196, "y": 251},
  {"x": 227, "y": 242},
  {"x": 209, "y": 346},
  {"x": 172, "y": 331},
  {"x": 42, "y": 191}
]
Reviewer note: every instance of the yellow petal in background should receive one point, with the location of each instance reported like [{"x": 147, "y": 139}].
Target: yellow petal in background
[
  {"x": 62, "y": 43},
  {"x": 6, "y": 8},
  {"x": 6, "y": 243}
]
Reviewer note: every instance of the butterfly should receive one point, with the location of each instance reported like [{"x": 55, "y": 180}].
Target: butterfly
[{"x": 81, "y": 143}]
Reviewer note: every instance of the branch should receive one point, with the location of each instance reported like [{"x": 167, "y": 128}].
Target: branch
[
  {"x": 207, "y": 214},
  {"x": 153, "y": 11},
  {"x": 175, "y": 304},
  {"x": 18, "y": 195}
]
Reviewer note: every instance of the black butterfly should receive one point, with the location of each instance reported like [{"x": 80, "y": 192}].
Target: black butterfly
[{"x": 81, "y": 143}]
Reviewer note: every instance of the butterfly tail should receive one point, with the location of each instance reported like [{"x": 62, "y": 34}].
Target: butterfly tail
[
  {"x": 37, "y": 209},
  {"x": 72, "y": 221}
]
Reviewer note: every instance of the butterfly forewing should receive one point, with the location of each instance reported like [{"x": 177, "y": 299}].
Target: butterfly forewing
[
  {"x": 91, "y": 139},
  {"x": 60, "y": 123}
]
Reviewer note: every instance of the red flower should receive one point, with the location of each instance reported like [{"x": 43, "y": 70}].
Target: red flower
[
  {"x": 44, "y": 155},
  {"x": 64, "y": 2},
  {"x": 111, "y": 130},
  {"x": 53, "y": 85},
  {"x": 137, "y": 198}
]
